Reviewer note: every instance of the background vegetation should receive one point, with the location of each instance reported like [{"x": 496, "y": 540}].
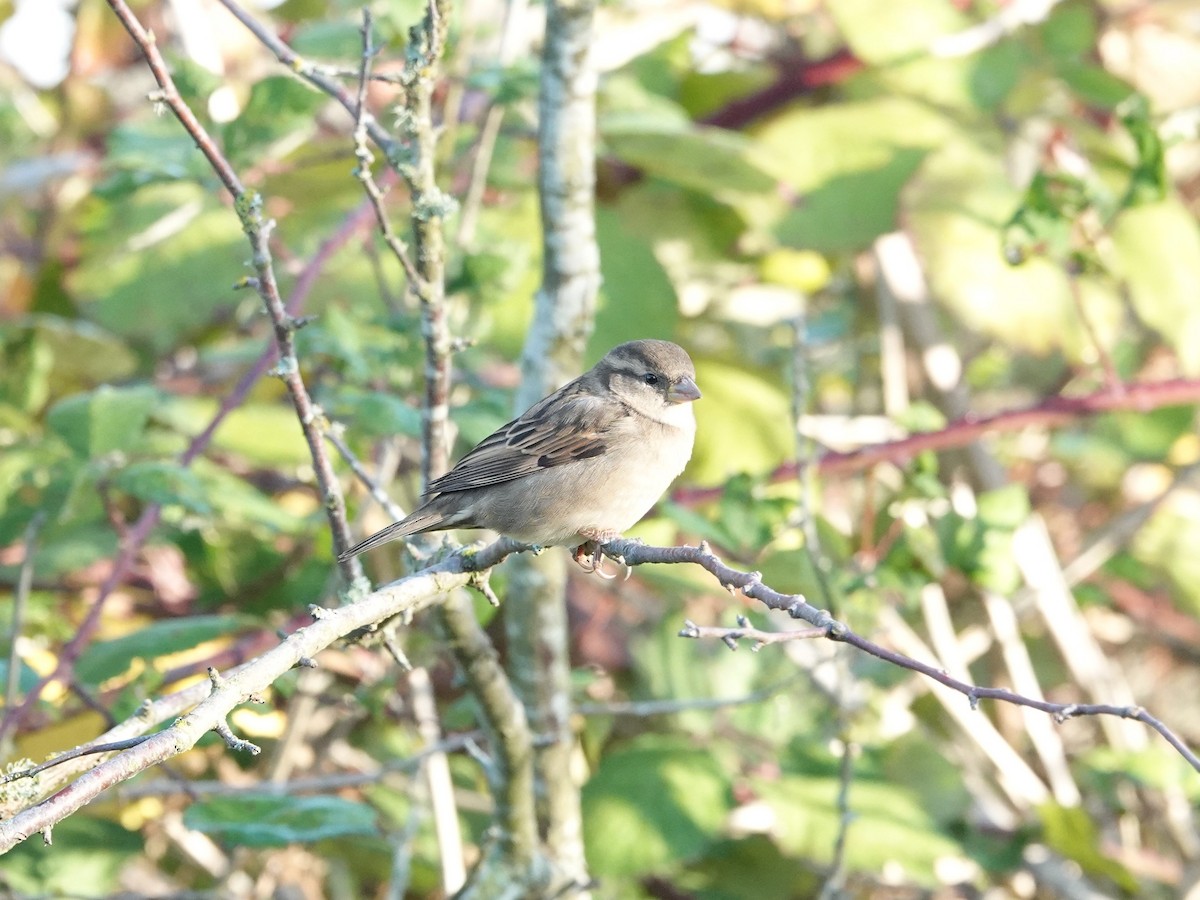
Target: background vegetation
[{"x": 865, "y": 220}]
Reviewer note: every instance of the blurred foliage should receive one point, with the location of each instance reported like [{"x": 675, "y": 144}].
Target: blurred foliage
[{"x": 750, "y": 157}]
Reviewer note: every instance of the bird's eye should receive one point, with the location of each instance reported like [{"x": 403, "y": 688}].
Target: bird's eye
[{"x": 650, "y": 378}]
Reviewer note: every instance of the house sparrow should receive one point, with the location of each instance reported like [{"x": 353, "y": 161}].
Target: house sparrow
[{"x": 581, "y": 465}]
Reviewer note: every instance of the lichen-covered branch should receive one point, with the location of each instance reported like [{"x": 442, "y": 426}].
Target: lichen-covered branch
[
  {"x": 427, "y": 588},
  {"x": 215, "y": 701},
  {"x": 564, "y": 310}
]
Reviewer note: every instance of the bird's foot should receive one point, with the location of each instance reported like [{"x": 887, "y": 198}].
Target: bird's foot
[{"x": 590, "y": 554}]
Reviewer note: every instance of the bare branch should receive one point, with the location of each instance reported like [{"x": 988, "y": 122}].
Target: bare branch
[
  {"x": 422, "y": 590},
  {"x": 633, "y": 553},
  {"x": 1049, "y": 413},
  {"x": 248, "y": 205},
  {"x": 216, "y": 701}
]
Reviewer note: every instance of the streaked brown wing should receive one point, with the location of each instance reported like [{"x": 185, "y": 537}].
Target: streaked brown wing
[{"x": 569, "y": 425}]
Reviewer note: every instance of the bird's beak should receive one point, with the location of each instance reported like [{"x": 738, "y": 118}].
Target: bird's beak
[{"x": 683, "y": 391}]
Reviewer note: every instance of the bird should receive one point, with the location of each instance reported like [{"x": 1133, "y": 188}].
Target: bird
[{"x": 580, "y": 466}]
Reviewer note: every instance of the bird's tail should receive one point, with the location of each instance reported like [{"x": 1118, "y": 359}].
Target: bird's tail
[{"x": 417, "y": 522}]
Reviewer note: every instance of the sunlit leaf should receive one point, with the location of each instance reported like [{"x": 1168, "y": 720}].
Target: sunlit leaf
[
  {"x": 103, "y": 420},
  {"x": 279, "y": 107},
  {"x": 889, "y": 826},
  {"x": 1072, "y": 832},
  {"x": 247, "y": 820},
  {"x": 87, "y": 852},
  {"x": 159, "y": 264},
  {"x": 847, "y": 198},
  {"x": 104, "y": 659},
  {"x": 955, "y": 207},
  {"x": 886, "y": 32},
  {"x": 1158, "y": 250},
  {"x": 164, "y": 482},
  {"x": 652, "y": 804}
]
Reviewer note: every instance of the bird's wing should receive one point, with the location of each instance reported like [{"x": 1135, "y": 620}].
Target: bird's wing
[{"x": 569, "y": 425}]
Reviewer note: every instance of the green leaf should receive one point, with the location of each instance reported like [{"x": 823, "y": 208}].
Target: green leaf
[
  {"x": 704, "y": 93},
  {"x": 26, "y": 678},
  {"x": 890, "y": 826},
  {"x": 1148, "y": 434},
  {"x": 881, "y": 33},
  {"x": 1094, "y": 84},
  {"x": 279, "y": 106},
  {"x": 263, "y": 433},
  {"x": 87, "y": 857},
  {"x": 1167, "y": 545},
  {"x": 376, "y": 413},
  {"x": 653, "y": 803},
  {"x": 84, "y": 355},
  {"x": 1149, "y": 180},
  {"x": 955, "y": 207},
  {"x": 743, "y": 423},
  {"x": 149, "y": 151},
  {"x": 106, "y": 659},
  {"x": 728, "y": 867},
  {"x": 1158, "y": 253},
  {"x": 995, "y": 565},
  {"x": 847, "y": 198},
  {"x": 339, "y": 39},
  {"x": 103, "y": 420},
  {"x": 708, "y": 160},
  {"x": 240, "y": 505},
  {"x": 74, "y": 547},
  {"x": 1069, "y": 32},
  {"x": 26, "y": 363},
  {"x": 1044, "y": 223},
  {"x": 1005, "y": 507},
  {"x": 1072, "y": 832},
  {"x": 248, "y": 820},
  {"x": 633, "y": 278},
  {"x": 507, "y": 84},
  {"x": 159, "y": 264},
  {"x": 163, "y": 482}
]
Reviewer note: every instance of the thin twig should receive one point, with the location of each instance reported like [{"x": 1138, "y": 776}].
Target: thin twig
[
  {"x": 1112, "y": 378},
  {"x": 20, "y": 598},
  {"x": 248, "y": 205},
  {"x": 67, "y": 756},
  {"x": 320, "y": 77},
  {"x": 750, "y": 583},
  {"x": 365, "y": 158},
  {"x": 333, "y": 434},
  {"x": 730, "y": 636}
]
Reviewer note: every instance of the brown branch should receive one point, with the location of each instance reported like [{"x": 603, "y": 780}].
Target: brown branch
[
  {"x": 730, "y": 636},
  {"x": 248, "y": 205},
  {"x": 750, "y": 583},
  {"x": 1049, "y": 413}
]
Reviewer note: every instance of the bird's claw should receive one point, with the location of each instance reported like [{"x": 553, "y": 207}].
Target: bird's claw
[{"x": 590, "y": 557}]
